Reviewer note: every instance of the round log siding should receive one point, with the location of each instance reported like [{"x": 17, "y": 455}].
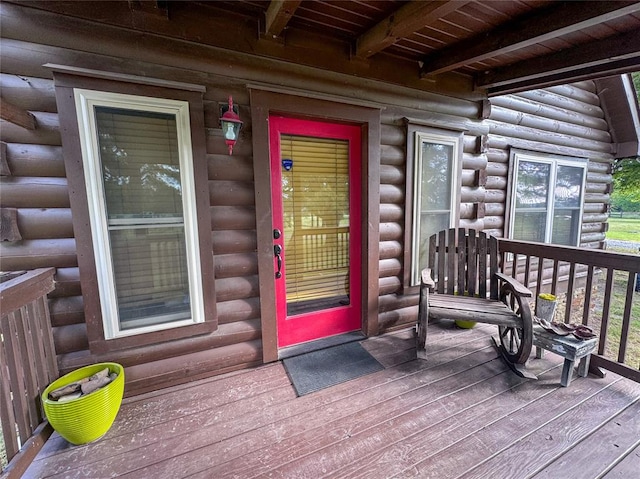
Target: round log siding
[
  {"x": 35, "y": 160},
  {"x": 393, "y": 155},
  {"x": 391, "y": 213},
  {"x": 67, "y": 283},
  {"x": 390, "y": 249},
  {"x": 565, "y": 120},
  {"x": 42, "y": 223},
  {"x": 391, "y": 302},
  {"x": 34, "y": 192}
]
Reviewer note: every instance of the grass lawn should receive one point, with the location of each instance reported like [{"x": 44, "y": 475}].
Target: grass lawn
[
  {"x": 618, "y": 299},
  {"x": 624, "y": 229}
]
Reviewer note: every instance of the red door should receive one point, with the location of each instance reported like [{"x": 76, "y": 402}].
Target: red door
[{"x": 316, "y": 198}]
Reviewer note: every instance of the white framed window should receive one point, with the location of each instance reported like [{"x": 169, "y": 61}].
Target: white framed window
[
  {"x": 547, "y": 198},
  {"x": 436, "y": 183},
  {"x": 139, "y": 177}
]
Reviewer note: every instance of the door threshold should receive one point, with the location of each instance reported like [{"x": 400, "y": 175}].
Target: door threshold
[{"x": 298, "y": 349}]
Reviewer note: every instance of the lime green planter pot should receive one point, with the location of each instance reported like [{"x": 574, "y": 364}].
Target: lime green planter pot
[
  {"x": 465, "y": 324},
  {"x": 89, "y": 417}
]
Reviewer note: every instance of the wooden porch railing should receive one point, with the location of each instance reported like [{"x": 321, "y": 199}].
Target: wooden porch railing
[
  {"x": 27, "y": 365},
  {"x": 594, "y": 280}
]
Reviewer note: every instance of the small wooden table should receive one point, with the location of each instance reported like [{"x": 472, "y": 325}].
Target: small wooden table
[{"x": 569, "y": 347}]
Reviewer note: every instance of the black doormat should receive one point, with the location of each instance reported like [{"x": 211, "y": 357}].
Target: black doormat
[{"x": 317, "y": 370}]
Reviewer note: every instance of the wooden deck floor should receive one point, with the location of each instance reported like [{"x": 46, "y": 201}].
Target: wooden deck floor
[{"x": 463, "y": 413}]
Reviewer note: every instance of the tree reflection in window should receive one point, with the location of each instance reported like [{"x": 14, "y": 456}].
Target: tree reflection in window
[
  {"x": 548, "y": 200},
  {"x": 140, "y": 163}
]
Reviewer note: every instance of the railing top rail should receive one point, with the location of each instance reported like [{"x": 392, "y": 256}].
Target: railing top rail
[
  {"x": 586, "y": 256},
  {"x": 25, "y": 288}
]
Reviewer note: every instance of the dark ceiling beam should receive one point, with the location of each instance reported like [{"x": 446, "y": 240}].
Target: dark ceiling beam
[
  {"x": 608, "y": 56},
  {"x": 560, "y": 19},
  {"x": 150, "y": 7},
  {"x": 611, "y": 69},
  {"x": 278, "y": 15},
  {"x": 408, "y": 19}
]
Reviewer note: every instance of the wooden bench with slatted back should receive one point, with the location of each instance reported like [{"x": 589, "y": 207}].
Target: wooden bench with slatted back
[{"x": 463, "y": 282}]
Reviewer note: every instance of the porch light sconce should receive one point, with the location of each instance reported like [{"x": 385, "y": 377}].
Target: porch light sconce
[{"x": 231, "y": 124}]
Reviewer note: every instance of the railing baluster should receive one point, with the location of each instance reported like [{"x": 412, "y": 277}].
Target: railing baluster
[
  {"x": 28, "y": 364},
  {"x": 605, "y": 311},
  {"x": 539, "y": 279},
  {"x": 541, "y": 262},
  {"x": 16, "y": 372},
  {"x": 28, "y": 371},
  {"x": 567, "y": 311},
  {"x": 626, "y": 318},
  {"x": 575, "y": 267},
  {"x": 587, "y": 296},
  {"x": 554, "y": 280},
  {"x": 527, "y": 270},
  {"x": 37, "y": 342},
  {"x": 7, "y": 414}
]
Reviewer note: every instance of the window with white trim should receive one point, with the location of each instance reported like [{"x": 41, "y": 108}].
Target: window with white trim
[
  {"x": 435, "y": 187},
  {"x": 139, "y": 178},
  {"x": 548, "y": 193}
]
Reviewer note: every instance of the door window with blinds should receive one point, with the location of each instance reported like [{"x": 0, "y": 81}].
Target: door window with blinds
[
  {"x": 139, "y": 175},
  {"x": 315, "y": 198}
]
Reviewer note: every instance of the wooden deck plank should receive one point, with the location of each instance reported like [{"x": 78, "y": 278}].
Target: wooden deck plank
[
  {"x": 394, "y": 348},
  {"x": 137, "y": 426},
  {"x": 446, "y": 336},
  {"x": 312, "y": 439},
  {"x": 599, "y": 451},
  {"x": 359, "y": 445},
  {"x": 461, "y": 411},
  {"x": 219, "y": 458},
  {"x": 557, "y": 437},
  {"x": 392, "y": 342},
  {"x": 490, "y": 442},
  {"x": 209, "y": 427},
  {"x": 181, "y": 401},
  {"x": 436, "y": 444},
  {"x": 164, "y": 431},
  {"x": 627, "y": 467},
  {"x": 470, "y": 412}
]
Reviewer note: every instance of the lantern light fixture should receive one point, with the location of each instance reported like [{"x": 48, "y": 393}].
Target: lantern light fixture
[{"x": 230, "y": 123}]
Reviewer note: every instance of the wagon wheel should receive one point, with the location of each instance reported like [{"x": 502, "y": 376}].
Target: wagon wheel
[{"x": 516, "y": 340}]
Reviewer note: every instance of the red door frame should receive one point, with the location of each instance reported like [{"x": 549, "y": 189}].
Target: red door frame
[{"x": 343, "y": 319}]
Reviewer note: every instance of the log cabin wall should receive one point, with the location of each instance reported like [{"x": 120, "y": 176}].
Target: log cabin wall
[
  {"x": 35, "y": 184},
  {"x": 397, "y": 306},
  {"x": 565, "y": 120}
]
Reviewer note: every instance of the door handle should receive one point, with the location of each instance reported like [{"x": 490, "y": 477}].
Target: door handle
[{"x": 277, "y": 250}]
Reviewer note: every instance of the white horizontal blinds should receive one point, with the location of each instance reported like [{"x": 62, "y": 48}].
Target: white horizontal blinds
[
  {"x": 140, "y": 164},
  {"x": 315, "y": 192}
]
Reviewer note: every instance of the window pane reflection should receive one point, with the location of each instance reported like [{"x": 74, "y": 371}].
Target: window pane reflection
[
  {"x": 140, "y": 163},
  {"x": 568, "y": 186},
  {"x": 532, "y": 186},
  {"x": 436, "y": 176}
]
